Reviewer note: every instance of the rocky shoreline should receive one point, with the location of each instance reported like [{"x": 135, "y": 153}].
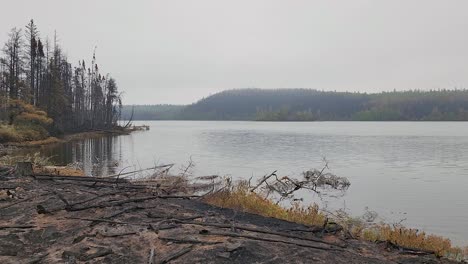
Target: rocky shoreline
[{"x": 73, "y": 219}]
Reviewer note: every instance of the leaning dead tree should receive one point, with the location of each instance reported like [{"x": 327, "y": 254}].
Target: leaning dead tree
[{"x": 286, "y": 186}]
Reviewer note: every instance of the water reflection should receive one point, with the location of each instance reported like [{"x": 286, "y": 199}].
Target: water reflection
[
  {"x": 418, "y": 168},
  {"x": 96, "y": 156}
]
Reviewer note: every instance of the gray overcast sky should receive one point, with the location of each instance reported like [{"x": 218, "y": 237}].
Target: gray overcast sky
[{"x": 177, "y": 51}]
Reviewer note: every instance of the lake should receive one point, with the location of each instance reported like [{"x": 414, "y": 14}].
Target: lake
[{"x": 415, "y": 172}]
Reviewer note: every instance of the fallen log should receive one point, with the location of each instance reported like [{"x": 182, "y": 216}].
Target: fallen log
[
  {"x": 160, "y": 226},
  {"x": 18, "y": 202},
  {"x": 151, "y": 257},
  {"x": 118, "y": 234},
  {"x": 86, "y": 255},
  {"x": 78, "y": 178},
  {"x": 133, "y": 200},
  {"x": 175, "y": 255},
  {"x": 258, "y": 230},
  {"x": 135, "y": 171},
  {"x": 16, "y": 226},
  {"x": 406, "y": 250},
  {"x": 169, "y": 218},
  {"x": 62, "y": 198},
  {"x": 314, "y": 229},
  {"x": 97, "y": 197},
  {"x": 188, "y": 240},
  {"x": 106, "y": 221},
  {"x": 263, "y": 180},
  {"x": 126, "y": 210},
  {"x": 297, "y": 243}
]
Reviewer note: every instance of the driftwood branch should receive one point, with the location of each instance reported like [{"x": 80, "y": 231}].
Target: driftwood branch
[
  {"x": 286, "y": 186},
  {"x": 16, "y": 226},
  {"x": 133, "y": 200},
  {"x": 297, "y": 243},
  {"x": 259, "y": 230},
  {"x": 132, "y": 172},
  {"x": 151, "y": 257},
  {"x": 407, "y": 250},
  {"x": 263, "y": 180},
  {"x": 176, "y": 254},
  {"x": 96, "y": 197},
  {"x": 118, "y": 234},
  {"x": 18, "y": 202},
  {"x": 77, "y": 178},
  {"x": 188, "y": 240},
  {"x": 106, "y": 221}
]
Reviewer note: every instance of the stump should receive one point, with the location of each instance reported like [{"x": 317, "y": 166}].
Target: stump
[{"x": 24, "y": 169}]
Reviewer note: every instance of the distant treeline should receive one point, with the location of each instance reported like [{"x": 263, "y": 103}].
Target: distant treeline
[
  {"x": 315, "y": 105},
  {"x": 152, "y": 112}
]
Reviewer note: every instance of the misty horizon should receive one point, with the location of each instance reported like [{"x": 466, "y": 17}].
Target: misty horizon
[
  {"x": 168, "y": 52},
  {"x": 301, "y": 88}
]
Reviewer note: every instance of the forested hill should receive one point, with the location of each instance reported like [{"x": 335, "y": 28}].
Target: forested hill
[
  {"x": 311, "y": 105},
  {"x": 42, "y": 93}
]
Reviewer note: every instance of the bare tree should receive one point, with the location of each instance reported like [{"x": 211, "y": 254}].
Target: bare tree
[
  {"x": 31, "y": 56},
  {"x": 13, "y": 61},
  {"x": 76, "y": 98}
]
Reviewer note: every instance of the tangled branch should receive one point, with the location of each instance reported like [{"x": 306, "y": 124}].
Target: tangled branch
[{"x": 312, "y": 180}]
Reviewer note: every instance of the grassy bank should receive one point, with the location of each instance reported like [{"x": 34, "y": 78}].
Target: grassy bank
[
  {"x": 240, "y": 197},
  {"x": 21, "y": 142},
  {"x": 25, "y": 125},
  {"x": 35, "y": 143},
  {"x": 65, "y": 138}
]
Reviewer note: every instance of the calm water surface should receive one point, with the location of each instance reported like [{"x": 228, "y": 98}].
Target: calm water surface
[{"x": 402, "y": 170}]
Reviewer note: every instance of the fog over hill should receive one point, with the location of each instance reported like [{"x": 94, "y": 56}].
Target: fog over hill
[{"x": 313, "y": 105}]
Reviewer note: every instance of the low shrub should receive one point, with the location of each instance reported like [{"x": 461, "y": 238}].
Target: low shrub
[
  {"x": 32, "y": 132},
  {"x": 26, "y": 123},
  {"x": 37, "y": 117},
  {"x": 36, "y": 159},
  {"x": 9, "y": 134},
  {"x": 13, "y": 133}
]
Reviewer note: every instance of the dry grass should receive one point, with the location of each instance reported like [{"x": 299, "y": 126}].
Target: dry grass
[
  {"x": 36, "y": 159},
  {"x": 35, "y": 143},
  {"x": 240, "y": 198},
  {"x": 39, "y": 117},
  {"x": 26, "y": 113},
  {"x": 59, "y": 170},
  {"x": 9, "y": 134},
  {"x": 23, "y": 133},
  {"x": 41, "y": 164},
  {"x": 412, "y": 238},
  {"x": 27, "y": 123}
]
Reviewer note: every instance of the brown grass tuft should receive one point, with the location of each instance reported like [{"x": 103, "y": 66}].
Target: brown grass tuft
[
  {"x": 411, "y": 238},
  {"x": 241, "y": 198},
  {"x": 9, "y": 134},
  {"x": 59, "y": 170}
]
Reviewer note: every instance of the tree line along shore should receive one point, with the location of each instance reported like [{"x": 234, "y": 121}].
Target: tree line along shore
[
  {"x": 43, "y": 94},
  {"x": 313, "y": 105}
]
